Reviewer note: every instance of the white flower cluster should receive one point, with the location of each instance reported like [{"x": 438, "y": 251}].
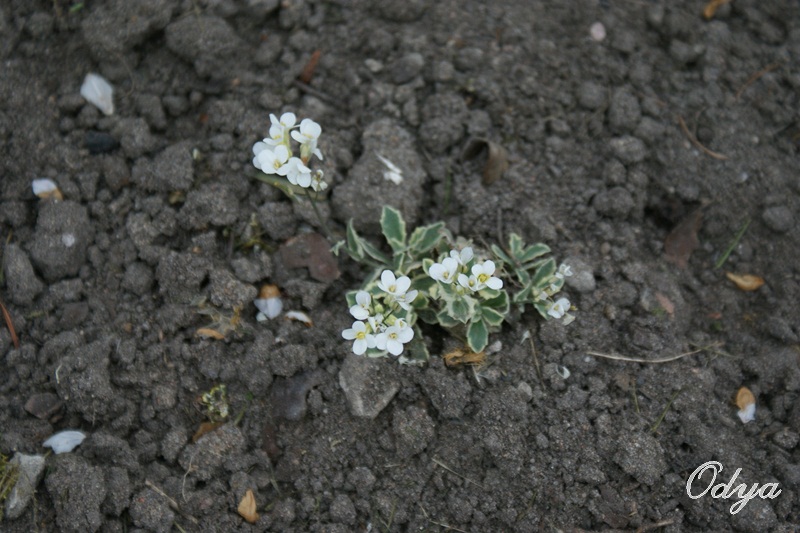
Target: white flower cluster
[
  {"x": 559, "y": 308},
  {"x": 454, "y": 268},
  {"x": 374, "y": 330},
  {"x": 274, "y": 154}
]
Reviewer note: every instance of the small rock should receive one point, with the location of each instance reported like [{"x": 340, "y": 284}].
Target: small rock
[
  {"x": 44, "y": 405},
  {"x": 77, "y": 490},
  {"x": 63, "y": 234},
  {"x": 591, "y": 95},
  {"x": 407, "y": 68},
  {"x": 228, "y": 292},
  {"x": 288, "y": 396},
  {"x": 23, "y": 285},
  {"x": 778, "y": 218},
  {"x": 171, "y": 170},
  {"x": 368, "y": 384},
  {"x": 342, "y": 510},
  {"x": 135, "y": 137},
  {"x": 204, "y": 459},
  {"x": 582, "y": 278},
  {"x": 628, "y": 149},
  {"x": 641, "y": 456},
  {"x": 150, "y": 511},
  {"x": 100, "y": 142},
  {"x": 624, "y": 111},
  {"x": 448, "y": 393},
  {"x": 312, "y": 251},
  {"x": 413, "y": 429},
  {"x": 30, "y": 472},
  {"x": 616, "y": 202}
]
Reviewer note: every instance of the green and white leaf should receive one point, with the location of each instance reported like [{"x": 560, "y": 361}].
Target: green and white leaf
[
  {"x": 394, "y": 228},
  {"x": 532, "y": 252},
  {"x": 461, "y": 309},
  {"x": 541, "y": 278},
  {"x": 354, "y": 246},
  {"x": 477, "y": 336},
  {"x": 500, "y": 254},
  {"x": 425, "y": 238}
]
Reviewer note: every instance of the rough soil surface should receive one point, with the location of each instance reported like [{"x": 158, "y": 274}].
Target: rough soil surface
[{"x": 103, "y": 287}]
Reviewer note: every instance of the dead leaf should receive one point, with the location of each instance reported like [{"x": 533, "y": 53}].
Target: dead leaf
[
  {"x": 463, "y": 356},
  {"x": 308, "y": 71},
  {"x": 205, "y": 427},
  {"x": 746, "y": 282},
  {"x": 269, "y": 291},
  {"x": 496, "y": 158},
  {"x": 208, "y": 332},
  {"x": 311, "y": 250},
  {"x": 744, "y": 397},
  {"x": 711, "y": 8},
  {"x": 665, "y": 303},
  {"x": 682, "y": 240},
  {"x": 247, "y": 507}
]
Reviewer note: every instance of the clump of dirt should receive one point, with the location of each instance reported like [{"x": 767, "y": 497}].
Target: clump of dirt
[{"x": 613, "y": 138}]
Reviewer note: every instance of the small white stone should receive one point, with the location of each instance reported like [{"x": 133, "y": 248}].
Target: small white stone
[
  {"x": 43, "y": 186},
  {"x": 98, "y": 92},
  {"x": 68, "y": 239},
  {"x": 598, "y": 31}
]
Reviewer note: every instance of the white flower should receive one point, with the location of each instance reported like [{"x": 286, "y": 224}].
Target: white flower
[
  {"x": 270, "y": 161},
  {"x": 482, "y": 277},
  {"x": 360, "y": 311},
  {"x": 563, "y": 271},
  {"x": 307, "y": 137},
  {"x": 558, "y": 308},
  {"x": 296, "y": 172},
  {"x": 394, "y": 338},
  {"x": 463, "y": 257},
  {"x": 278, "y": 131},
  {"x": 446, "y": 270},
  {"x": 395, "y": 287},
  {"x": 376, "y": 323},
  {"x": 362, "y": 338},
  {"x": 317, "y": 183},
  {"x": 406, "y": 299}
]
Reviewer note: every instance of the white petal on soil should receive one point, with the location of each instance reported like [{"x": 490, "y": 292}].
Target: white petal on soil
[
  {"x": 394, "y": 174},
  {"x": 43, "y": 186},
  {"x": 748, "y": 414},
  {"x": 68, "y": 239},
  {"x": 563, "y": 371},
  {"x": 300, "y": 317},
  {"x": 98, "y": 92},
  {"x": 65, "y": 441},
  {"x": 270, "y": 307},
  {"x": 598, "y": 31}
]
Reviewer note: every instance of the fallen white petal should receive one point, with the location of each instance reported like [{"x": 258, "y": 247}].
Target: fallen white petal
[
  {"x": 98, "y": 92},
  {"x": 65, "y": 441},
  {"x": 598, "y": 31},
  {"x": 394, "y": 174},
  {"x": 270, "y": 307},
  {"x": 68, "y": 239},
  {"x": 43, "y": 186},
  {"x": 563, "y": 371},
  {"x": 748, "y": 414},
  {"x": 300, "y": 317}
]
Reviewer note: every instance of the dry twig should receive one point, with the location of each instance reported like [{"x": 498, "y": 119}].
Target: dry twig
[
  {"x": 697, "y": 143},
  {"x": 752, "y": 79},
  {"x": 658, "y": 360},
  {"x": 172, "y": 503}
]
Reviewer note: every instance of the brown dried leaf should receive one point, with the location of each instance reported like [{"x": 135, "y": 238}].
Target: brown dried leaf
[
  {"x": 205, "y": 427},
  {"x": 496, "y": 158},
  {"x": 299, "y": 316},
  {"x": 208, "y": 332},
  {"x": 269, "y": 291},
  {"x": 308, "y": 71},
  {"x": 744, "y": 398},
  {"x": 247, "y": 507},
  {"x": 10, "y": 326},
  {"x": 665, "y": 303},
  {"x": 746, "y": 282},
  {"x": 711, "y": 8},
  {"x": 463, "y": 356},
  {"x": 682, "y": 240}
]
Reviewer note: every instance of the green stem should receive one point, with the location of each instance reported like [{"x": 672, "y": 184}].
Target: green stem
[{"x": 325, "y": 229}]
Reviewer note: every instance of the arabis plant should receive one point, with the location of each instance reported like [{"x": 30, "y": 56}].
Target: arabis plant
[
  {"x": 287, "y": 167},
  {"x": 428, "y": 278}
]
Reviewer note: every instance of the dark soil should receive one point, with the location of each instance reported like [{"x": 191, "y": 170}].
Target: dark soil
[{"x": 160, "y": 201}]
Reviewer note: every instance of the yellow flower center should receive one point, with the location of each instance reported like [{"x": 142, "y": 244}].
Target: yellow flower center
[
  {"x": 361, "y": 335},
  {"x": 483, "y": 277}
]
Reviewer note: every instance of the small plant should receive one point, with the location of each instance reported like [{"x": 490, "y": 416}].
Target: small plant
[
  {"x": 9, "y": 473},
  {"x": 429, "y": 276},
  {"x": 215, "y": 404},
  {"x": 281, "y": 168}
]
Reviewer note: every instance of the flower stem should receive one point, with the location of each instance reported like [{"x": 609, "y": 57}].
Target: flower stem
[{"x": 313, "y": 200}]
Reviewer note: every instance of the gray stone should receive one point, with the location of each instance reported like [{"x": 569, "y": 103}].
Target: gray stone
[
  {"x": 205, "y": 458},
  {"x": 449, "y": 393},
  {"x": 30, "y": 472},
  {"x": 135, "y": 137},
  {"x": 366, "y": 189},
  {"x": 172, "y": 443},
  {"x": 77, "y": 490},
  {"x": 180, "y": 275},
  {"x": 591, "y": 95},
  {"x": 63, "y": 234},
  {"x": 368, "y": 384},
  {"x": 407, "y": 68},
  {"x": 641, "y": 456},
  {"x": 582, "y": 278},
  {"x": 342, "y": 510},
  {"x": 214, "y": 204},
  {"x": 414, "y": 429},
  {"x": 628, "y": 149},
  {"x": 624, "y": 111},
  {"x": 443, "y": 118},
  {"x": 138, "y": 278},
  {"x": 150, "y": 511},
  {"x": 616, "y": 202},
  {"x": 228, "y": 292},
  {"x": 112, "y": 28},
  {"x": 23, "y": 285},
  {"x": 778, "y": 218},
  {"x": 170, "y": 170}
]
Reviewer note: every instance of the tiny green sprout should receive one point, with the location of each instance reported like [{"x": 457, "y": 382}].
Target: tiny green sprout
[
  {"x": 9, "y": 473},
  {"x": 216, "y": 405},
  {"x": 429, "y": 277}
]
